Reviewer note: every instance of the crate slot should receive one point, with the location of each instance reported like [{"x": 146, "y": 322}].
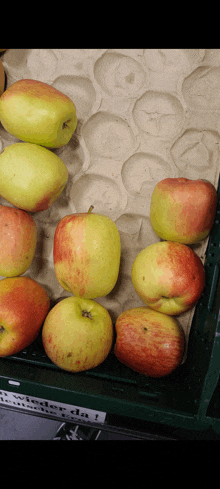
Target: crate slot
[
  {"x": 117, "y": 389},
  {"x": 214, "y": 283},
  {"x": 149, "y": 394}
]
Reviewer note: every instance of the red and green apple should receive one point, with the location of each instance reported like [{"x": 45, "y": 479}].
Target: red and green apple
[
  {"x": 77, "y": 334},
  {"x": 168, "y": 276},
  {"x": 38, "y": 113},
  {"x": 149, "y": 342},
  {"x": 183, "y": 210},
  {"x": 24, "y": 305}
]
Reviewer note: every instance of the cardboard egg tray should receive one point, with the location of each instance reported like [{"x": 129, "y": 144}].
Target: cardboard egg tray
[{"x": 143, "y": 115}]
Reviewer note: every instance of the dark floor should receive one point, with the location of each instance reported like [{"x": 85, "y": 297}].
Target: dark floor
[{"x": 20, "y": 426}]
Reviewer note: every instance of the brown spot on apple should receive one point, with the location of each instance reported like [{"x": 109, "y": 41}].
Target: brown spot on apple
[{"x": 69, "y": 354}]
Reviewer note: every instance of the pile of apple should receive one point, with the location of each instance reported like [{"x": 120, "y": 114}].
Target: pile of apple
[
  {"x": 77, "y": 333},
  {"x": 168, "y": 276}
]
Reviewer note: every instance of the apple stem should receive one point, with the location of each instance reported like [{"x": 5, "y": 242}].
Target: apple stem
[
  {"x": 86, "y": 314},
  {"x": 65, "y": 124},
  {"x": 2, "y": 329},
  {"x": 90, "y": 209}
]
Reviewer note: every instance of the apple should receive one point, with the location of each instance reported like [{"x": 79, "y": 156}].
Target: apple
[
  {"x": 18, "y": 239},
  {"x": 2, "y": 78},
  {"x": 86, "y": 254},
  {"x": 183, "y": 210},
  {"x": 168, "y": 276},
  {"x": 148, "y": 341},
  {"x": 38, "y": 113},
  {"x": 31, "y": 177},
  {"x": 24, "y": 305},
  {"x": 77, "y": 334}
]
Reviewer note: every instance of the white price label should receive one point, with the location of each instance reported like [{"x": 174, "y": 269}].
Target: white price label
[{"x": 55, "y": 409}]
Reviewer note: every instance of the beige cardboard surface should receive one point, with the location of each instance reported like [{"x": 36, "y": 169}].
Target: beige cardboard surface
[{"x": 143, "y": 115}]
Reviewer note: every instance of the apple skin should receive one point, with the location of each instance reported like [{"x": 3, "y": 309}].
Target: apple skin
[
  {"x": 18, "y": 239},
  {"x": 38, "y": 113},
  {"x": 183, "y": 210},
  {"x": 24, "y": 305},
  {"x": 86, "y": 254},
  {"x": 148, "y": 341},
  {"x": 169, "y": 277},
  {"x": 31, "y": 177},
  {"x": 77, "y": 334},
  {"x": 2, "y": 79}
]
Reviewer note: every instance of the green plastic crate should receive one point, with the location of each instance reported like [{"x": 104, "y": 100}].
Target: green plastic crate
[{"x": 183, "y": 399}]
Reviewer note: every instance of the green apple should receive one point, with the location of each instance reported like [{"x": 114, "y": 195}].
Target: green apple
[
  {"x": 77, "y": 334},
  {"x": 86, "y": 253},
  {"x": 31, "y": 177},
  {"x": 24, "y": 305},
  {"x": 38, "y": 113},
  {"x": 183, "y": 210},
  {"x": 168, "y": 276},
  {"x": 148, "y": 341},
  {"x": 18, "y": 239}
]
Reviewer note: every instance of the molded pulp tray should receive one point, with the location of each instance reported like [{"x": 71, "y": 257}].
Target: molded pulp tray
[
  {"x": 143, "y": 115},
  {"x": 180, "y": 399}
]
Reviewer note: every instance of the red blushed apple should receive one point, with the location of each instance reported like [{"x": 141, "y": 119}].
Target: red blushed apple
[
  {"x": 24, "y": 305},
  {"x": 86, "y": 254},
  {"x": 18, "y": 239},
  {"x": 183, "y": 210},
  {"x": 149, "y": 342},
  {"x": 168, "y": 276}
]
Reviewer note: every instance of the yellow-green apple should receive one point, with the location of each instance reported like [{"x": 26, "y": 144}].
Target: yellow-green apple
[
  {"x": 183, "y": 210},
  {"x": 77, "y": 334},
  {"x": 18, "y": 239},
  {"x": 86, "y": 253},
  {"x": 24, "y": 305},
  {"x": 31, "y": 177},
  {"x": 149, "y": 342},
  {"x": 38, "y": 113},
  {"x": 168, "y": 276},
  {"x": 2, "y": 78}
]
